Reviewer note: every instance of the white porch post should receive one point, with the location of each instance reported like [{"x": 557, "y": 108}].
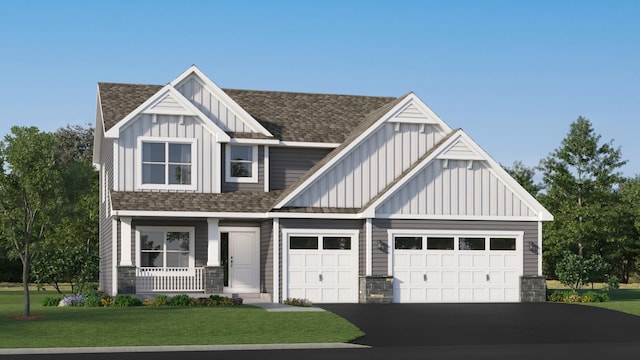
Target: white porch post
[
  {"x": 368, "y": 247},
  {"x": 125, "y": 259},
  {"x": 213, "y": 250},
  {"x": 276, "y": 260}
]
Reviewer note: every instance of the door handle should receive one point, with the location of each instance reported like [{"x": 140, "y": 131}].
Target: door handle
[
  {"x": 320, "y": 277},
  {"x": 488, "y": 277},
  {"x": 231, "y": 261},
  {"x": 424, "y": 277}
]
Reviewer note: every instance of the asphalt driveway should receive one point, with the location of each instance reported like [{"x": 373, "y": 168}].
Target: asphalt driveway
[{"x": 486, "y": 324}]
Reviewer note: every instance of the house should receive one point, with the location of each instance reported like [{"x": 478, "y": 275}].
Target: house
[{"x": 330, "y": 198}]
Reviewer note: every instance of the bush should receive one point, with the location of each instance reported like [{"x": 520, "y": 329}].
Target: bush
[
  {"x": 72, "y": 300},
  {"x": 126, "y": 300},
  {"x": 180, "y": 300},
  {"x": 593, "y": 296},
  {"x": 297, "y": 302},
  {"x": 161, "y": 300},
  {"x": 106, "y": 300},
  {"x": 92, "y": 301},
  {"x": 217, "y": 300},
  {"x": 51, "y": 300},
  {"x": 558, "y": 296}
]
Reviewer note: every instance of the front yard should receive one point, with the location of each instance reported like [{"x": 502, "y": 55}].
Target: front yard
[
  {"x": 148, "y": 326},
  {"x": 625, "y": 299}
]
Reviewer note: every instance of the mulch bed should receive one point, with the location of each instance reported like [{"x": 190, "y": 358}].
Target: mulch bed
[{"x": 22, "y": 317}]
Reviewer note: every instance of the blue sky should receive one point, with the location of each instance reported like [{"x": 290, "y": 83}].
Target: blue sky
[{"x": 512, "y": 74}]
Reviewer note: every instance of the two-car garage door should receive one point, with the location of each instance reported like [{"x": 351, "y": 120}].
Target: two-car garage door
[{"x": 463, "y": 267}]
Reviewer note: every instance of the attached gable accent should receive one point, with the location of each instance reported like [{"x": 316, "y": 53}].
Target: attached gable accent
[
  {"x": 416, "y": 112},
  {"x": 377, "y": 153},
  {"x": 445, "y": 184},
  {"x": 216, "y": 104},
  {"x": 168, "y": 101}
]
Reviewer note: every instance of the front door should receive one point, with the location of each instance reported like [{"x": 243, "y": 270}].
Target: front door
[{"x": 241, "y": 259}]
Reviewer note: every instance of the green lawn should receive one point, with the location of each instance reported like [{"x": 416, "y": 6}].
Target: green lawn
[
  {"x": 144, "y": 326},
  {"x": 625, "y": 299}
]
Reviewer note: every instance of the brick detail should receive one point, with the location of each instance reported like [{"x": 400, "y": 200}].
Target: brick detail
[
  {"x": 126, "y": 279},
  {"x": 376, "y": 289},
  {"x": 213, "y": 279},
  {"x": 533, "y": 289}
]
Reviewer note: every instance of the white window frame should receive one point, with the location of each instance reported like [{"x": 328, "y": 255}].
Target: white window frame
[
  {"x": 254, "y": 165},
  {"x": 190, "y": 230},
  {"x": 166, "y": 186}
]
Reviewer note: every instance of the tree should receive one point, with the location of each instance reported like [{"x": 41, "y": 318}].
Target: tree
[
  {"x": 66, "y": 264},
  {"x": 575, "y": 270},
  {"x": 624, "y": 247},
  {"x": 524, "y": 176},
  {"x": 30, "y": 194},
  {"x": 579, "y": 179}
]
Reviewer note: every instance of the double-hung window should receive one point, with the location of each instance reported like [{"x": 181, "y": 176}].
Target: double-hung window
[
  {"x": 167, "y": 163},
  {"x": 170, "y": 247},
  {"x": 241, "y": 163}
]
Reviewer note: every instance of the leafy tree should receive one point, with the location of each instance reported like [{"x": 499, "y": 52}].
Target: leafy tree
[
  {"x": 72, "y": 264},
  {"x": 524, "y": 176},
  {"x": 576, "y": 270},
  {"x": 30, "y": 194},
  {"x": 624, "y": 247},
  {"x": 580, "y": 178}
]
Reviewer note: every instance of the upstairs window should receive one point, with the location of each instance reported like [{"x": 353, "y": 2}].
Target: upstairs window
[
  {"x": 241, "y": 163},
  {"x": 167, "y": 164}
]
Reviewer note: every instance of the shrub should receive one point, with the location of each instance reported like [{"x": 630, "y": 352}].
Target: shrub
[
  {"x": 180, "y": 300},
  {"x": 51, "y": 300},
  {"x": 92, "y": 301},
  {"x": 198, "y": 301},
  {"x": 558, "y": 296},
  {"x": 217, "y": 300},
  {"x": 161, "y": 300},
  {"x": 148, "y": 302},
  {"x": 297, "y": 302},
  {"x": 573, "y": 298},
  {"x": 106, "y": 300},
  {"x": 126, "y": 300},
  {"x": 593, "y": 296},
  {"x": 72, "y": 300}
]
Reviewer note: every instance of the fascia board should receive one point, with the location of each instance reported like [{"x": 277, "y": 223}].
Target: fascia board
[
  {"x": 384, "y": 118},
  {"x": 99, "y": 130},
  {"x": 188, "y": 214},
  {"x": 224, "y": 98}
]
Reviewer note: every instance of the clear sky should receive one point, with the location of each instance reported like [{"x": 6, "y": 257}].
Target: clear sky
[{"x": 512, "y": 74}]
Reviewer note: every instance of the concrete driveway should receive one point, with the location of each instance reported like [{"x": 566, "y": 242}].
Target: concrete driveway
[{"x": 486, "y": 324}]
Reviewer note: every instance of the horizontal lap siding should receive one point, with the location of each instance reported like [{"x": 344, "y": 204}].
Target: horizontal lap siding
[
  {"x": 233, "y": 186},
  {"x": 266, "y": 257},
  {"x": 530, "y": 229},
  {"x": 106, "y": 224},
  {"x": 288, "y": 164}
]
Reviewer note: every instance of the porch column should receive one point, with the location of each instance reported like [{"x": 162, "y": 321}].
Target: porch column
[
  {"x": 213, "y": 249},
  {"x": 125, "y": 227}
]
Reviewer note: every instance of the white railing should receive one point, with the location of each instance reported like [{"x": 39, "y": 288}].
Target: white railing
[{"x": 169, "y": 279}]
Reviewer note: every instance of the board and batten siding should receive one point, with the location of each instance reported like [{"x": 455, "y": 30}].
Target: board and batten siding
[
  {"x": 237, "y": 186},
  {"x": 368, "y": 168},
  {"x": 287, "y": 164},
  {"x": 212, "y": 107},
  {"x": 167, "y": 126},
  {"x": 381, "y": 227},
  {"x": 455, "y": 190}
]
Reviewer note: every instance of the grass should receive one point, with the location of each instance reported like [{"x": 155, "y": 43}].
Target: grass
[
  {"x": 148, "y": 326},
  {"x": 625, "y": 299}
]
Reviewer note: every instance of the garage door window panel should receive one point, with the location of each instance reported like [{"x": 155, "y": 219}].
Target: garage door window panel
[
  {"x": 440, "y": 243},
  {"x": 303, "y": 243},
  {"x": 473, "y": 244},
  {"x": 408, "y": 243},
  {"x": 502, "y": 244},
  {"x": 336, "y": 243}
]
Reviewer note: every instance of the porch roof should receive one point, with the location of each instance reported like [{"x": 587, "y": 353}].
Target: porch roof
[{"x": 239, "y": 201}]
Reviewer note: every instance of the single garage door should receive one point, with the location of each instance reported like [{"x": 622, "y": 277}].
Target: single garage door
[
  {"x": 322, "y": 268},
  {"x": 446, "y": 267}
]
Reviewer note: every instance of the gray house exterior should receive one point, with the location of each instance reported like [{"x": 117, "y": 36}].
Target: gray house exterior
[{"x": 330, "y": 198}]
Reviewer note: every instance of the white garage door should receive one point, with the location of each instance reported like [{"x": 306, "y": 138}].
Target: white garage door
[
  {"x": 469, "y": 267},
  {"x": 322, "y": 268}
]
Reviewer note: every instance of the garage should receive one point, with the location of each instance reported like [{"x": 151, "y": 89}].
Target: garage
[
  {"x": 322, "y": 266},
  {"x": 450, "y": 267}
]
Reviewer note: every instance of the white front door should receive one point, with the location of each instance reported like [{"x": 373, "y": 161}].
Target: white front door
[{"x": 243, "y": 259}]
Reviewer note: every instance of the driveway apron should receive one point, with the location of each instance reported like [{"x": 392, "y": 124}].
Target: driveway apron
[{"x": 486, "y": 324}]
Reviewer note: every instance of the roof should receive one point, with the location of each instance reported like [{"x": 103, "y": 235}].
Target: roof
[
  {"x": 240, "y": 201},
  {"x": 289, "y": 116}
]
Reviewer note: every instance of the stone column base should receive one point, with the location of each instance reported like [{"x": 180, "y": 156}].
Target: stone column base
[
  {"x": 376, "y": 290},
  {"x": 533, "y": 289},
  {"x": 126, "y": 280},
  {"x": 213, "y": 279}
]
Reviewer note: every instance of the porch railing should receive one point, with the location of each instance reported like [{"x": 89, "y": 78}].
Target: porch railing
[{"x": 169, "y": 279}]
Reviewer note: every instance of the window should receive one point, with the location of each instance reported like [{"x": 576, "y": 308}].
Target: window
[
  {"x": 440, "y": 243},
  {"x": 241, "y": 163},
  {"x": 303, "y": 242},
  {"x": 165, "y": 247},
  {"x": 408, "y": 243},
  {"x": 167, "y": 163},
  {"x": 336, "y": 243},
  {"x": 502, "y": 244},
  {"x": 469, "y": 243}
]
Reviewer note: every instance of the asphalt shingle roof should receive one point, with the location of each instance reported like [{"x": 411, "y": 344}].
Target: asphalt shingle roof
[
  {"x": 289, "y": 116},
  {"x": 239, "y": 201}
]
